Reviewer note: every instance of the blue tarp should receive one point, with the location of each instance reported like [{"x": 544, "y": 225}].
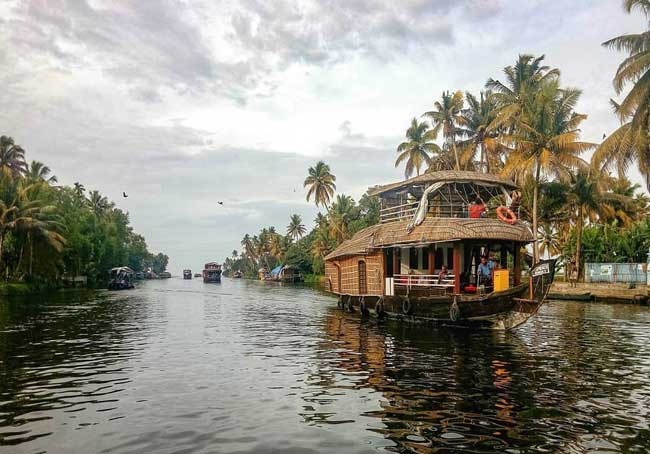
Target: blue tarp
[{"x": 275, "y": 272}]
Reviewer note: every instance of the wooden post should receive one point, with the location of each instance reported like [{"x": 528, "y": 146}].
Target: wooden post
[
  {"x": 432, "y": 258},
  {"x": 456, "y": 267},
  {"x": 516, "y": 266},
  {"x": 396, "y": 253}
]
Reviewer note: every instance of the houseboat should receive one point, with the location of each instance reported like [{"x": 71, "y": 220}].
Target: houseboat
[
  {"x": 212, "y": 272},
  {"x": 448, "y": 250},
  {"x": 120, "y": 278},
  {"x": 237, "y": 274},
  {"x": 187, "y": 274},
  {"x": 286, "y": 273}
]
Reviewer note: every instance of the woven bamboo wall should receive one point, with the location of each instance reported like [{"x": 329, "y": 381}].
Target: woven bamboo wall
[{"x": 350, "y": 274}]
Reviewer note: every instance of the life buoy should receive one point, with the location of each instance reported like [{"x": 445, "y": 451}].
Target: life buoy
[
  {"x": 506, "y": 215},
  {"x": 407, "y": 307}
]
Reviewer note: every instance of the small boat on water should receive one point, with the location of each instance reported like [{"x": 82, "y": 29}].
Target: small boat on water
[
  {"x": 120, "y": 278},
  {"x": 448, "y": 250},
  {"x": 237, "y": 274},
  {"x": 286, "y": 273},
  {"x": 139, "y": 276},
  {"x": 165, "y": 275},
  {"x": 264, "y": 274},
  {"x": 197, "y": 274},
  {"x": 187, "y": 274},
  {"x": 212, "y": 272}
]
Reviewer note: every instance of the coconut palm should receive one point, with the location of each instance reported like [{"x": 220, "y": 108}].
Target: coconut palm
[
  {"x": 481, "y": 139},
  {"x": 39, "y": 172},
  {"x": 321, "y": 184},
  {"x": 545, "y": 139},
  {"x": 447, "y": 118},
  {"x": 418, "y": 147},
  {"x": 98, "y": 203},
  {"x": 295, "y": 229},
  {"x": 249, "y": 247},
  {"x": 12, "y": 157},
  {"x": 341, "y": 214},
  {"x": 589, "y": 199},
  {"x": 630, "y": 142},
  {"x": 522, "y": 82}
]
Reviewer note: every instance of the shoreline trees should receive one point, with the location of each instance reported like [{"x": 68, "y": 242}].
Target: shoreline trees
[{"x": 48, "y": 231}]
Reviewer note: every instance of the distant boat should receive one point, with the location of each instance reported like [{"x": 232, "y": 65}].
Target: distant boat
[
  {"x": 197, "y": 274},
  {"x": 121, "y": 278},
  {"x": 139, "y": 275},
  {"x": 237, "y": 274},
  {"x": 212, "y": 272},
  {"x": 187, "y": 274},
  {"x": 165, "y": 275}
]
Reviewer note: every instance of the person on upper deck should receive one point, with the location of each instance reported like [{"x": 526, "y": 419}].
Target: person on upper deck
[
  {"x": 477, "y": 209},
  {"x": 485, "y": 269},
  {"x": 443, "y": 274}
]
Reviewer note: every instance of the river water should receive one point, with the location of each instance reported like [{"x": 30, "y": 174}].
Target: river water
[{"x": 182, "y": 367}]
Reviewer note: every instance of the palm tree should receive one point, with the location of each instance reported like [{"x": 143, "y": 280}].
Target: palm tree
[
  {"x": 630, "y": 142},
  {"x": 545, "y": 139},
  {"x": 12, "y": 157},
  {"x": 340, "y": 216},
  {"x": 79, "y": 189},
  {"x": 416, "y": 149},
  {"x": 523, "y": 81},
  {"x": 447, "y": 117},
  {"x": 321, "y": 184},
  {"x": 249, "y": 247},
  {"x": 234, "y": 254},
  {"x": 588, "y": 198},
  {"x": 98, "y": 203},
  {"x": 39, "y": 172},
  {"x": 481, "y": 140},
  {"x": 295, "y": 229}
]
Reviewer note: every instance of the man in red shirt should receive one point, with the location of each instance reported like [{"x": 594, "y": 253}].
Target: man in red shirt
[{"x": 477, "y": 209}]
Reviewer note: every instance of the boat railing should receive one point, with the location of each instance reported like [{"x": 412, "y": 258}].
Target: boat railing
[
  {"x": 438, "y": 210},
  {"x": 423, "y": 280}
]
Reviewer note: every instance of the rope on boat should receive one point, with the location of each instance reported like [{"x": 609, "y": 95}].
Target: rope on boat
[
  {"x": 379, "y": 307},
  {"x": 454, "y": 310},
  {"x": 362, "y": 306}
]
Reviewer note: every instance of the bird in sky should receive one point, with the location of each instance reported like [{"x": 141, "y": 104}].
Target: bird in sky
[
  {"x": 220, "y": 203},
  {"x": 124, "y": 194}
]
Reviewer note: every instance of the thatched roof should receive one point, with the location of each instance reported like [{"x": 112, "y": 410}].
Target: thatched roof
[
  {"x": 451, "y": 176},
  {"x": 432, "y": 230}
]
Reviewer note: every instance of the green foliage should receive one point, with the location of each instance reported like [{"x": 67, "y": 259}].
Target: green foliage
[{"x": 47, "y": 232}]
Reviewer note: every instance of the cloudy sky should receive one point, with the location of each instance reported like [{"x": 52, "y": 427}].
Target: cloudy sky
[{"x": 185, "y": 103}]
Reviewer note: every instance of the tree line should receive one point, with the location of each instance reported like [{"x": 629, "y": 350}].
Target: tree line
[
  {"x": 49, "y": 231},
  {"x": 524, "y": 126}
]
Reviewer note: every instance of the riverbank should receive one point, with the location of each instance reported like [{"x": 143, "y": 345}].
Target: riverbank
[{"x": 599, "y": 292}]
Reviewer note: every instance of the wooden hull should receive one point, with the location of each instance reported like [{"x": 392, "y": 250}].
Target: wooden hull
[{"x": 500, "y": 310}]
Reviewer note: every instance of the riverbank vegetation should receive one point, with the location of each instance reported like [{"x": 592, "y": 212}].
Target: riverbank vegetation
[
  {"x": 50, "y": 232},
  {"x": 523, "y": 125}
]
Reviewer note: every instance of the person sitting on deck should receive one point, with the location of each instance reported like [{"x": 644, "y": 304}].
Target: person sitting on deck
[
  {"x": 443, "y": 274},
  {"x": 477, "y": 209},
  {"x": 485, "y": 269}
]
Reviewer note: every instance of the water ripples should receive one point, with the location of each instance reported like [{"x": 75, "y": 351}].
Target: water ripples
[{"x": 180, "y": 366}]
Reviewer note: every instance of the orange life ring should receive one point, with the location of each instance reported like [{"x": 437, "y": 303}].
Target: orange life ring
[{"x": 506, "y": 215}]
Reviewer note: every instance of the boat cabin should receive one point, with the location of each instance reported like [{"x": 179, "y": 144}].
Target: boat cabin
[
  {"x": 212, "y": 272},
  {"x": 440, "y": 233}
]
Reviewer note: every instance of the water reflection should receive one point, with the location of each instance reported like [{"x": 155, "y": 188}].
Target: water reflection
[{"x": 179, "y": 366}]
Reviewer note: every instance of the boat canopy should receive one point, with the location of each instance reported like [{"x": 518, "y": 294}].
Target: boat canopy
[
  {"x": 276, "y": 271},
  {"x": 122, "y": 269}
]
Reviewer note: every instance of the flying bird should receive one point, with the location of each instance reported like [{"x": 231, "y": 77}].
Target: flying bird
[
  {"x": 124, "y": 194},
  {"x": 220, "y": 203}
]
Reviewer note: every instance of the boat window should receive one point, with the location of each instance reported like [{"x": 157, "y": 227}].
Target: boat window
[{"x": 413, "y": 258}]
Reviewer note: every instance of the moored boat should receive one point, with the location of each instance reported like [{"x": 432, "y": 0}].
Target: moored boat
[
  {"x": 165, "y": 275},
  {"x": 286, "y": 273},
  {"x": 120, "y": 278},
  {"x": 212, "y": 272},
  {"x": 237, "y": 274},
  {"x": 187, "y": 274},
  {"x": 197, "y": 274},
  {"x": 440, "y": 255}
]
